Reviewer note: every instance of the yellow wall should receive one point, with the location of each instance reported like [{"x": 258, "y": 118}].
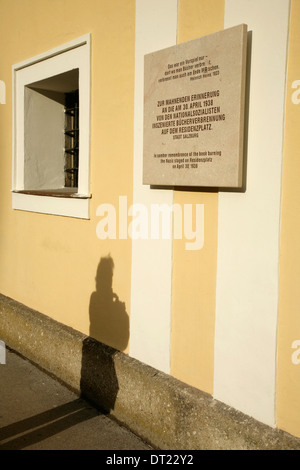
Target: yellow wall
[
  {"x": 50, "y": 262},
  {"x": 194, "y": 272},
  {"x": 288, "y": 379}
]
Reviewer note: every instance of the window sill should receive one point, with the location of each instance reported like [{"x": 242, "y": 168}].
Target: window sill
[
  {"x": 68, "y": 204},
  {"x": 65, "y": 192}
]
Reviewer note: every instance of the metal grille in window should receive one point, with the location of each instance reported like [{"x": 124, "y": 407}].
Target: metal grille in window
[{"x": 71, "y": 139}]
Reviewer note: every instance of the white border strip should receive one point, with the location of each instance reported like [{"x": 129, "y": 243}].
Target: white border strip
[
  {"x": 249, "y": 225},
  {"x": 151, "y": 277}
]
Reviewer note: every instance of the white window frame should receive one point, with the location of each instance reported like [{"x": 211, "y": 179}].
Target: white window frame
[{"x": 74, "y": 54}]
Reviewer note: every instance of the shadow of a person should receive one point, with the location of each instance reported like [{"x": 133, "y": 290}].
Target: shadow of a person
[
  {"x": 109, "y": 322},
  {"x": 109, "y": 325}
]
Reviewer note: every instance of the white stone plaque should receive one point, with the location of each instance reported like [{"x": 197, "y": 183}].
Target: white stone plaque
[{"x": 194, "y": 96}]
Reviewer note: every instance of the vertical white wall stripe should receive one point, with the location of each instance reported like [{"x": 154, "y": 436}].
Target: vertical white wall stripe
[
  {"x": 151, "y": 276},
  {"x": 248, "y": 233}
]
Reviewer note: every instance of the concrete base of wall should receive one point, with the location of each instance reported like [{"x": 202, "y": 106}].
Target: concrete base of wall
[{"x": 162, "y": 410}]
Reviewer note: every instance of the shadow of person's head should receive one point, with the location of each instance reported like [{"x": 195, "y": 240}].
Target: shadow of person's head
[{"x": 104, "y": 275}]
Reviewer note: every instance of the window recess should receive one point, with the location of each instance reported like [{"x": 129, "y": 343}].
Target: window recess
[{"x": 51, "y": 141}]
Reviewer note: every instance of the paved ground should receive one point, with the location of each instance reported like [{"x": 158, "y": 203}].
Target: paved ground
[{"x": 39, "y": 413}]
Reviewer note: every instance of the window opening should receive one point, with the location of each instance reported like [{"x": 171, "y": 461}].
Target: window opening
[
  {"x": 51, "y": 133},
  {"x": 50, "y": 171},
  {"x": 71, "y": 139}
]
